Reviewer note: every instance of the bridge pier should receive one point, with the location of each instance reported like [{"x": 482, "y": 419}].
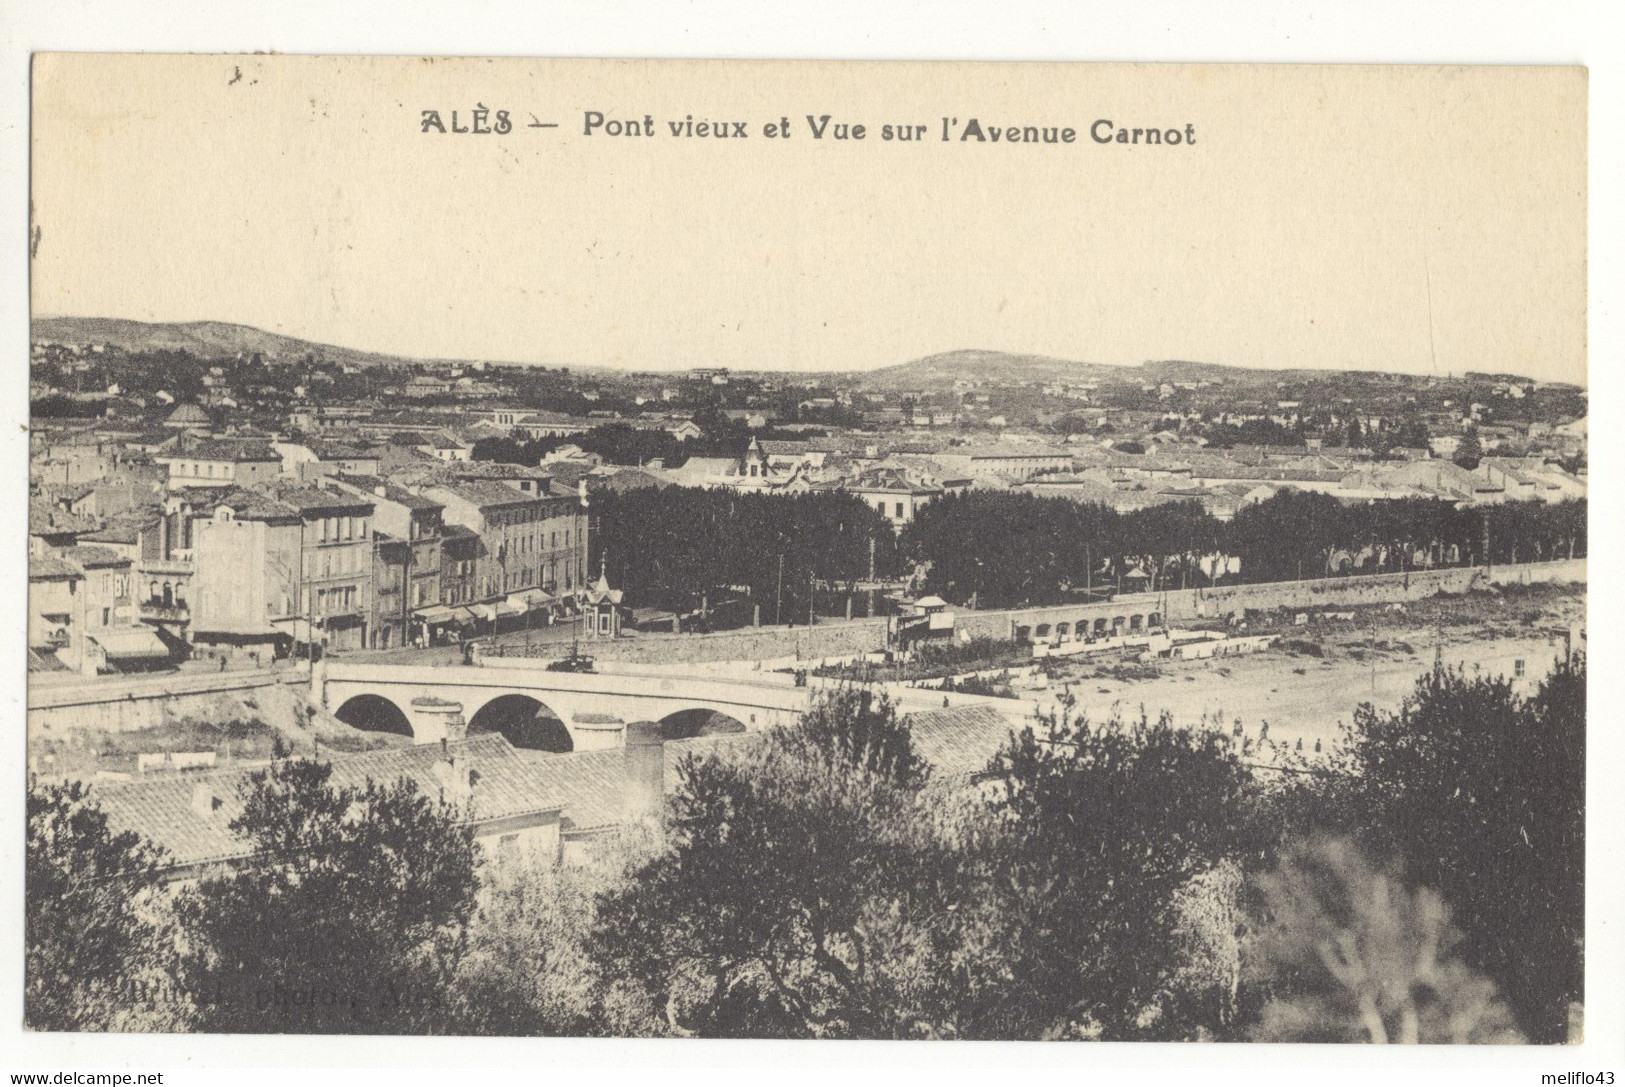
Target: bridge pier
[
  {"x": 435, "y": 719},
  {"x": 596, "y": 731}
]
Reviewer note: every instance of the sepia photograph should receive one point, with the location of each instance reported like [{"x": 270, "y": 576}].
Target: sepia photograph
[{"x": 807, "y": 550}]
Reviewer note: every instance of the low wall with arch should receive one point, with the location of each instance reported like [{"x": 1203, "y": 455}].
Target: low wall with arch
[{"x": 1189, "y": 604}]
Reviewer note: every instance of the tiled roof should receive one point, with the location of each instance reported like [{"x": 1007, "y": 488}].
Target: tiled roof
[
  {"x": 393, "y": 492},
  {"x": 482, "y": 493},
  {"x": 52, "y": 569},
  {"x": 93, "y": 557},
  {"x": 590, "y": 785},
  {"x": 46, "y": 519},
  {"x": 162, "y": 808},
  {"x": 250, "y": 505},
  {"x": 498, "y": 470},
  {"x": 313, "y": 499},
  {"x": 227, "y": 449},
  {"x": 958, "y": 742}
]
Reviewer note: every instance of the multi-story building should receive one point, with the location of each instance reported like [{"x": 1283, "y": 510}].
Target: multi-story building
[
  {"x": 407, "y": 564},
  {"x": 161, "y": 580},
  {"x": 221, "y": 463},
  {"x": 285, "y": 568},
  {"x": 895, "y": 493},
  {"x": 527, "y": 542},
  {"x": 246, "y": 557},
  {"x": 56, "y": 610},
  {"x": 102, "y": 628},
  {"x": 336, "y": 567},
  {"x": 459, "y": 565}
]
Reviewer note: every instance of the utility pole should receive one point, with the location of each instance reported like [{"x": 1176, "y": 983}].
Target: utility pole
[
  {"x": 1489, "y": 563},
  {"x": 778, "y": 599}
]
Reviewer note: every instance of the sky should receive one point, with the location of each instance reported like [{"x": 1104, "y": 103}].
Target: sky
[{"x": 1427, "y": 220}]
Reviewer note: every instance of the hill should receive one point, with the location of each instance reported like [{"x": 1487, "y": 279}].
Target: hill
[
  {"x": 205, "y": 339},
  {"x": 943, "y": 369}
]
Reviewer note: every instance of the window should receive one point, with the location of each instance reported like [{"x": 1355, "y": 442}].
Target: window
[
  {"x": 324, "y": 530},
  {"x": 899, "y": 509},
  {"x": 107, "y": 616}
]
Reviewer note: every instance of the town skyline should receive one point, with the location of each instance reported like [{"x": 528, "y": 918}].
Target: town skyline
[{"x": 301, "y": 343}]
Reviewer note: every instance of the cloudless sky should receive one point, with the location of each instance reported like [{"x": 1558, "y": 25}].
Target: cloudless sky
[{"x": 1416, "y": 219}]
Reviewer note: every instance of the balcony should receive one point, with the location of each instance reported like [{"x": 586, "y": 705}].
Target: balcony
[{"x": 158, "y": 611}]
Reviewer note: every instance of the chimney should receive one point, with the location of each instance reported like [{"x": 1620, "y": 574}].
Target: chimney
[
  {"x": 644, "y": 771},
  {"x": 204, "y": 802}
]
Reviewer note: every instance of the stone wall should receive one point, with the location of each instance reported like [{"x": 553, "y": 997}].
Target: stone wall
[
  {"x": 122, "y": 706},
  {"x": 1192, "y": 604},
  {"x": 836, "y": 638}
]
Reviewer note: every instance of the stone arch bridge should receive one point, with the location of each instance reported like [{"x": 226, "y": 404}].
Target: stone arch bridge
[{"x": 577, "y": 711}]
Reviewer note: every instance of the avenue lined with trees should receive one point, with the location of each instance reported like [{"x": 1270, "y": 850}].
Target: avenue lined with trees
[{"x": 1003, "y": 549}]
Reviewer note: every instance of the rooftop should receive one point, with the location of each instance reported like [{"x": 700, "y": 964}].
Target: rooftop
[{"x": 164, "y": 809}]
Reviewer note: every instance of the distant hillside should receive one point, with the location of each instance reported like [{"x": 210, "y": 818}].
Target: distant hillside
[
  {"x": 934, "y": 370},
  {"x": 208, "y": 339}
]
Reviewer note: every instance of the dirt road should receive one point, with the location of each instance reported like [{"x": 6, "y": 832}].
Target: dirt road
[{"x": 1300, "y": 696}]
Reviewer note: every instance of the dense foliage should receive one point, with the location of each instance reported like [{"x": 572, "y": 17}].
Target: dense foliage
[
  {"x": 1481, "y": 793},
  {"x": 349, "y": 917},
  {"x": 1349, "y": 953},
  {"x": 698, "y": 543},
  {"x": 94, "y": 947},
  {"x": 1005, "y": 549},
  {"x": 1117, "y": 880},
  {"x": 1102, "y": 829}
]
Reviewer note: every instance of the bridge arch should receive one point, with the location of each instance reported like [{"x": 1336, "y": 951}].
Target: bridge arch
[
  {"x": 528, "y": 723},
  {"x": 374, "y": 713},
  {"x": 685, "y": 724}
]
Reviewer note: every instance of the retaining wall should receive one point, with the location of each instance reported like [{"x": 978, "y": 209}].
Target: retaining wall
[
  {"x": 836, "y": 638},
  {"x": 125, "y": 705},
  {"x": 1190, "y": 604}
]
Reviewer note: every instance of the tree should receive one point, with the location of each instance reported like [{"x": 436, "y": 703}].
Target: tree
[
  {"x": 347, "y": 917},
  {"x": 691, "y": 544},
  {"x": 526, "y": 971},
  {"x": 95, "y": 941},
  {"x": 1469, "y": 451},
  {"x": 1352, "y": 955},
  {"x": 1481, "y": 792},
  {"x": 807, "y": 891},
  {"x": 1104, "y": 830}
]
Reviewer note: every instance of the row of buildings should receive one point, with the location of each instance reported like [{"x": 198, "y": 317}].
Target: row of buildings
[
  {"x": 252, "y": 547},
  {"x": 898, "y": 478}
]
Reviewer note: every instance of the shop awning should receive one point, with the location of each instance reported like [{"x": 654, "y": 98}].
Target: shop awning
[
  {"x": 503, "y": 607},
  {"x": 437, "y": 613},
  {"x": 530, "y": 598},
  {"x": 299, "y": 629},
  {"x": 139, "y": 643}
]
